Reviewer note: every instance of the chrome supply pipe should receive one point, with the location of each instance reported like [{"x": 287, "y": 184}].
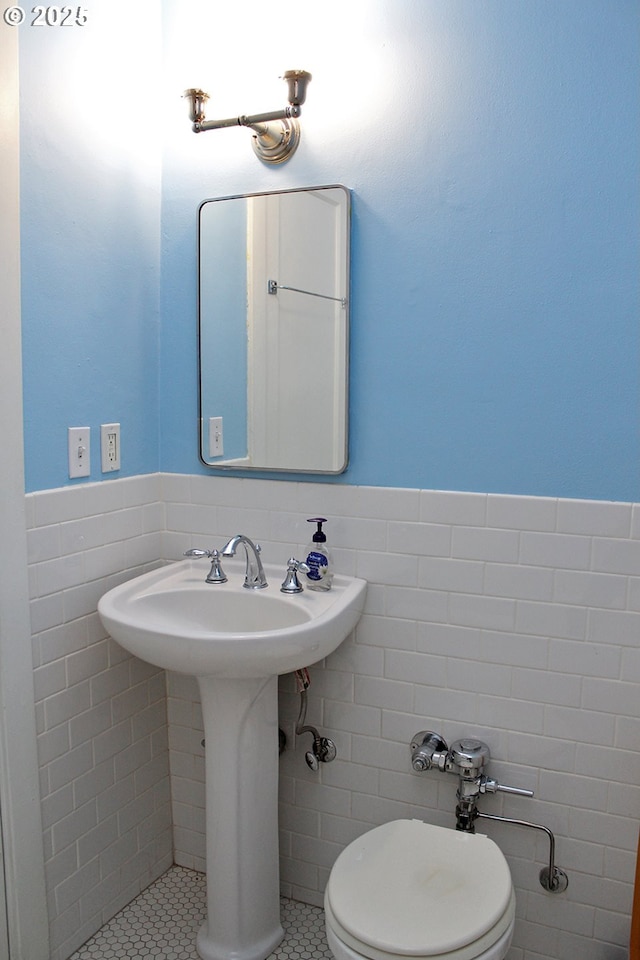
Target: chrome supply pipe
[
  {"x": 323, "y": 749},
  {"x": 552, "y": 878}
]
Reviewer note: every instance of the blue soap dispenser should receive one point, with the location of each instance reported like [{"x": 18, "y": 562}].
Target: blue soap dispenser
[{"x": 319, "y": 559}]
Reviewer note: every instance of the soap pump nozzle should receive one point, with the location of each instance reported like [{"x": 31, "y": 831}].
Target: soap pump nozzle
[{"x": 319, "y": 536}]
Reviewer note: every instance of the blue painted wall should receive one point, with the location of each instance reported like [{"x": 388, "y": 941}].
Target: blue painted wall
[
  {"x": 90, "y": 236},
  {"x": 491, "y": 147}
]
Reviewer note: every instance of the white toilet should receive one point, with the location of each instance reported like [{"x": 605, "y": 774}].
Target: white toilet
[{"x": 408, "y": 889}]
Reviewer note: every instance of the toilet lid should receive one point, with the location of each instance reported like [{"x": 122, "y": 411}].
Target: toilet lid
[{"x": 414, "y": 889}]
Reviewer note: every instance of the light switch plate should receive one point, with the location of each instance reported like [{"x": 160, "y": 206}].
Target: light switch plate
[
  {"x": 79, "y": 445},
  {"x": 216, "y": 444}
]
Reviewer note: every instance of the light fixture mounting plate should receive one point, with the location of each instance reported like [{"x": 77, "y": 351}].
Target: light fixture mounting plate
[{"x": 280, "y": 143}]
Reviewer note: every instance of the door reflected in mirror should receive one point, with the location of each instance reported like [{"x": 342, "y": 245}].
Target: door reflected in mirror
[{"x": 274, "y": 330}]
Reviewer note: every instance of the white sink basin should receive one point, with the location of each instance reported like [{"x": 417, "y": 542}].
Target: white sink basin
[{"x": 170, "y": 617}]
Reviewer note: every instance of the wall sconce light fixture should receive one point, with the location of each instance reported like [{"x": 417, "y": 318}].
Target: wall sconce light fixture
[{"x": 276, "y": 135}]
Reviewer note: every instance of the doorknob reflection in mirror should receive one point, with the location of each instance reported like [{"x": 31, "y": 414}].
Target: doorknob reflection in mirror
[{"x": 276, "y": 134}]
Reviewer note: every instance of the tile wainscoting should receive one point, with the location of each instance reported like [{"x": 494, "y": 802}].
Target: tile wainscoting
[
  {"x": 513, "y": 619},
  {"x": 101, "y": 714}
]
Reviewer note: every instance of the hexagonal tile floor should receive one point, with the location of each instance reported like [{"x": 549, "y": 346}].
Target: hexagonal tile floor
[{"x": 162, "y": 923}]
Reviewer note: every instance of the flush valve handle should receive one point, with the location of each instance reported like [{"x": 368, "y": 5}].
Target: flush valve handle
[{"x": 492, "y": 786}]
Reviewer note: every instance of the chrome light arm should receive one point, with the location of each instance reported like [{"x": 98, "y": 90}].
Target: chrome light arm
[
  {"x": 257, "y": 122},
  {"x": 276, "y": 133}
]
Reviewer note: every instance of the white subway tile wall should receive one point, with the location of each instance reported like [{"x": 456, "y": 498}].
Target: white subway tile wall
[
  {"x": 513, "y": 619},
  {"x": 101, "y": 714}
]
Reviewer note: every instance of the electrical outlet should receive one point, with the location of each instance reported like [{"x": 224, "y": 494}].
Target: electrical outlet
[
  {"x": 110, "y": 446},
  {"x": 79, "y": 448},
  {"x": 216, "y": 445}
]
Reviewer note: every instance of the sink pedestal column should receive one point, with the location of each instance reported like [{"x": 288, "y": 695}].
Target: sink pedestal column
[{"x": 241, "y": 757}]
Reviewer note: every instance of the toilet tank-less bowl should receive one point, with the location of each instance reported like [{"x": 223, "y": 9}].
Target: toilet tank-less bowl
[{"x": 409, "y": 889}]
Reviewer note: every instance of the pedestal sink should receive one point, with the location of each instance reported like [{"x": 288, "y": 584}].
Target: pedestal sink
[{"x": 236, "y": 642}]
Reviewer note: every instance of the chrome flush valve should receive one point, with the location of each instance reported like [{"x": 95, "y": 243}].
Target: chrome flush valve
[{"x": 467, "y": 759}]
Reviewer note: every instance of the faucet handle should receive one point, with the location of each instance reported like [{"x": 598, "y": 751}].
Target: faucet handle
[
  {"x": 291, "y": 584},
  {"x": 216, "y": 573}
]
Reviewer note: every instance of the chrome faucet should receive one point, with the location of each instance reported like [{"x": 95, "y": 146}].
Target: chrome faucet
[{"x": 254, "y": 578}]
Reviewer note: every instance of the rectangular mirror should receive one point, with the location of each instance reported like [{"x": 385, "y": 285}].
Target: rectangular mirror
[{"x": 274, "y": 330}]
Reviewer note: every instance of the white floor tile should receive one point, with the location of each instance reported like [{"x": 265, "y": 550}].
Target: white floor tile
[{"x": 164, "y": 919}]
